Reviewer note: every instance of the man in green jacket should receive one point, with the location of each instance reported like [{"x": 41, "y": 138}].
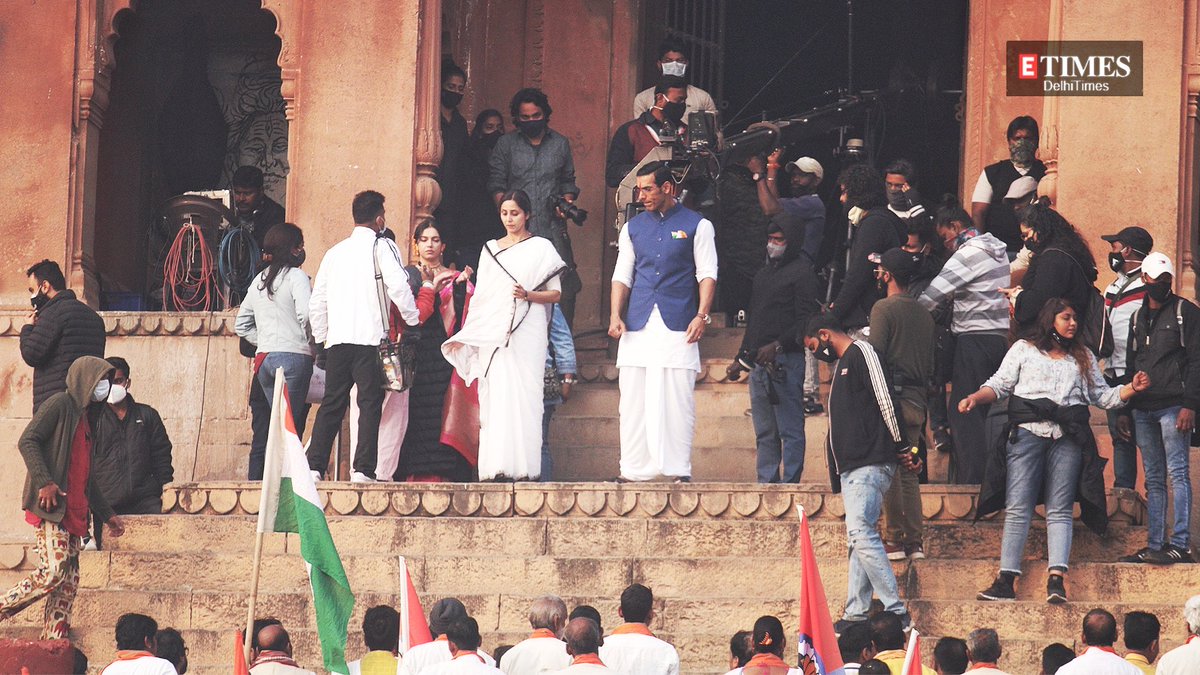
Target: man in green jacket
[{"x": 59, "y": 493}]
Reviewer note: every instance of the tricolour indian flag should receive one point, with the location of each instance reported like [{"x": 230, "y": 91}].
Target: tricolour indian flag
[{"x": 290, "y": 504}]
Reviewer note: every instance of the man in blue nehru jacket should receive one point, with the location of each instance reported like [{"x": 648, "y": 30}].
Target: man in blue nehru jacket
[{"x": 665, "y": 255}]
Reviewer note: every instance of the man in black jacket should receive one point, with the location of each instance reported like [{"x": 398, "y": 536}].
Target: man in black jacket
[
  {"x": 59, "y": 330},
  {"x": 1164, "y": 336},
  {"x": 873, "y": 228},
  {"x": 784, "y": 296},
  {"x": 131, "y": 456},
  {"x": 864, "y": 447}
]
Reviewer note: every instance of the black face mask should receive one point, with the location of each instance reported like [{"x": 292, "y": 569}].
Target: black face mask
[
  {"x": 489, "y": 140},
  {"x": 899, "y": 200},
  {"x": 881, "y": 287},
  {"x": 1116, "y": 262},
  {"x": 1059, "y": 339},
  {"x": 825, "y": 353},
  {"x": 39, "y": 301},
  {"x": 674, "y": 111},
  {"x": 1158, "y": 292},
  {"x": 451, "y": 99},
  {"x": 532, "y": 128}
]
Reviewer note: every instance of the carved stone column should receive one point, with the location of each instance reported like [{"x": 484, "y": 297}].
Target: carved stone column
[
  {"x": 1048, "y": 185},
  {"x": 1189, "y": 179},
  {"x": 427, "y": 155}
]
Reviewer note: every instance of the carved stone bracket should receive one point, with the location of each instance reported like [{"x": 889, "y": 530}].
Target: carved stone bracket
[{"x": 144, "y": 324}]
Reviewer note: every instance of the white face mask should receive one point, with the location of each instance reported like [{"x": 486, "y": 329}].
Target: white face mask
[
  {"x": 675, "y": 68},
  {"x": 101, "y": 391},
  {"x": 855, "y": 214},
  {"x": 117, "y": 394},
  {"x": 775, "y": 251}
]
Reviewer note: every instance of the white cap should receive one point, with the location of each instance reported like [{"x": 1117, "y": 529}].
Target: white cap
[
  {"x": 1157, "y": 264},
  {"x": 809, "y": 165},
  {"x": 1021, "y": 187}
]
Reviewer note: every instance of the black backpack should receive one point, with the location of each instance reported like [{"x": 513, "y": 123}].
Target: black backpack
[{"x": 1095, "y": 330}]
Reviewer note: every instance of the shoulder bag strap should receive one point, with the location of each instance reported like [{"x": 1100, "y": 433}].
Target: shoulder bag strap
[{"x": 381, "y": 292}]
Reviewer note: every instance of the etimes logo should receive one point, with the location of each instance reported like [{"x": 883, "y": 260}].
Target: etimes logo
[{"x": 1074, "y": 68}]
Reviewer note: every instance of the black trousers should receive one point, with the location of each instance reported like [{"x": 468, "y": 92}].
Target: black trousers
[
  {"x": 977, "y": 357},
  {"x": 346, "y": 366},
  {"x": 260, "y": 425}
]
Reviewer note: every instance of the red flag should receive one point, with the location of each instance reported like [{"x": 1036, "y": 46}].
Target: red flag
[
  {"x": 817, "y": 642},
  {"x": 912, "y": 659},
  {"x": 414, "y": 630},
  {"x": 239, "y": 655}
]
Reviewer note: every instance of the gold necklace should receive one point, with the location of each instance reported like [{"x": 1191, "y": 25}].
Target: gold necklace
[{"x": 431, "y": 271}]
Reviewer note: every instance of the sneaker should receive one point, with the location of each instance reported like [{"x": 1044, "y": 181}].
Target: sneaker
[
  {"x": 894, "y": 551},
  {"x": 914, "y": 551},
  {"x": 841, "y": 625},
  {"x": 360, "y": 477},
  {"x": 1169, "y": 555},
  {"x": 905, "y": 622},
  {"x": 942, "y": 442},
  {"x": 812, "y": 406},
  {"x": 1140, "y": 557},
  {"x": 1001, "y": 589},
  {"x": 316, "y": 476},
  {"x": 1056, "y": 591},
  {"x": 681, "y": 479},
  {"x": 89, "y": 544}
]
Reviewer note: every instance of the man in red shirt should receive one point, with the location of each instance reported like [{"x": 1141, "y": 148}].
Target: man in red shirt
[{"x": 59, "y": 492}]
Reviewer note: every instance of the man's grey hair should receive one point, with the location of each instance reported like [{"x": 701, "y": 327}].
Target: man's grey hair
[
  {"x": 549, "y": 612},
  {"x": 1191, "y": 614},
  {"x": 984, "y": 645}
]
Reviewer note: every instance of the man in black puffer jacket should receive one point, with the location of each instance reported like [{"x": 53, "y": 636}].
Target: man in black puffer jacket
[
  {"x": 60, "y": 330},
  {"x": 874, "y": 229}
]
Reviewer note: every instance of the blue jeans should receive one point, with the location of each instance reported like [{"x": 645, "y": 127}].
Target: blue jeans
[
  {"x": 779, "y": 428},
  {"x": 547, "y": 460},
  {"x": 297, "y": 371},
  {"x": 1165, "y": 453},
  {"x": 862, "y": 494},
  {"x": 1046, "y": 467},
  {"x": 1124, "y": 455}
]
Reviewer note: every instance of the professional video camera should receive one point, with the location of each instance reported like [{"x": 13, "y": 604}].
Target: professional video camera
[{"x": 569, "y": 210}]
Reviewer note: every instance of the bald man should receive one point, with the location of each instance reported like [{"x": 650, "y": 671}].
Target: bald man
[
  {"x": 274, "y": 655},
  {"x": 542, "y": 651},
  {"x": 583, "y": 640}
]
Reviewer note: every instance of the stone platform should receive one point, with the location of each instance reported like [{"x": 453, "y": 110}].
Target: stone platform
[{"x": 717, "y": 555}]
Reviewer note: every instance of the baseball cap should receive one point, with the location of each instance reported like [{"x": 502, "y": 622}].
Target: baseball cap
[
  {"x": 1157, "y": 264},
  {"x": 1135, "y": 238},
  {"x": 902, "y": 264},
  {"x": 808, "y": 165}
]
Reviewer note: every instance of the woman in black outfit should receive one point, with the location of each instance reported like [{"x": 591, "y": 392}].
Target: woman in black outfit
[{"x": 1062, "y": 265}]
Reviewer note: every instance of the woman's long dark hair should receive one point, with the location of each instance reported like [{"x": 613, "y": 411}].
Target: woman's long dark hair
[
  {"x": 278, "y": 245},
  {"x": 1053, "y": 231},
  {"x": 1041, "y": 335},
  {"x": 484, "y": 116}
]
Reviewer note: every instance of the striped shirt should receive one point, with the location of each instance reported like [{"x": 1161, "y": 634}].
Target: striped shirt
[{"x": 973, "y": 277}]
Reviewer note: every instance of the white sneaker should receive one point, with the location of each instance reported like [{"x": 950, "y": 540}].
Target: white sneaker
[
  {"x": 316, "y": 476},
  {"x": 359, "y": 477},
  {"x": 89, "y": 544}
]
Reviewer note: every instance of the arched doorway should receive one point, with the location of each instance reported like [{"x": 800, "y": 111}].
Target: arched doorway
[{"x": 195, "y": 93}]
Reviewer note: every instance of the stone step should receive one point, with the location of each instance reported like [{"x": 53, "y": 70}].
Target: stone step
[
  {"x": 602, "y": 400},
  {"x": 583, "y": 463}
]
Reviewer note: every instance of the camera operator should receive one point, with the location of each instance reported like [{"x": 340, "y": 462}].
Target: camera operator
[
  {"x": 673, "y": 61},
  {"x": 636, "y": 138},
  {"x": 538, "y": 160}
]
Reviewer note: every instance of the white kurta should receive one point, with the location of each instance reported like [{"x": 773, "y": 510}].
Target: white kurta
[
  {"x": 423, "y": 656},
  {"x": 586, "y": 669},
  {"x": 657, "y": 376},
  {"x": 1096, "y": 661},
  {"x": 536, "y": 655},
  {"x": 642, "y": 654},
  {"x": 503, "y": 345},
  {"x": 463, "y": 664}
]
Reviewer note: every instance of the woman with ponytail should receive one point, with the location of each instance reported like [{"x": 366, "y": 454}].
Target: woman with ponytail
[
  {"x": 1062, "y": 265},
  {"x": 768, "y": 651}
]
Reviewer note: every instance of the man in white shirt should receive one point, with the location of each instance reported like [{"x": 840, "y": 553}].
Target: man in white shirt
[
  {"x": 543, "y": 651},
  {"x": 1183, "y": 660},
  {"x": 983, "y": 651},
  {"x": 673, "y": 60},
  {"x": 274, "y": 656},
  {"x": 583, "y": 644},
  {"x": 462, "y": 637},
  {"x": 667, "y": 257},
  {"x": 632, "y": 648},
  {"x": 135, "y": 648},
  {"x": 348, "y": 317},
  {"x": 1099, "y": 634},
  {"x": 443, "y": 613}
]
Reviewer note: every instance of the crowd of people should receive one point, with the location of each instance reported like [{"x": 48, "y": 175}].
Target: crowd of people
[{"x": 575, "y": 642}]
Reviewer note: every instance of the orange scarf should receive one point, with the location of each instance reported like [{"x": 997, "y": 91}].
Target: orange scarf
[
  {"x": 131, "y": 654},
  {"x": 768, "y": 661},
  {"x": 462, "y": 654},
  {"x": 589, "y": 659},
  {"x": 632, "y": 628},
  {"x": 542, "y": 633}
]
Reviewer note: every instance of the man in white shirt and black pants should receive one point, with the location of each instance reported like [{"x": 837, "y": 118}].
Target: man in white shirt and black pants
[{"x": 351, "y": 328}]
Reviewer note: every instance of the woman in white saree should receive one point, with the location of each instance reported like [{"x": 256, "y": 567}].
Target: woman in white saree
[{"x": 503, "y": 343}]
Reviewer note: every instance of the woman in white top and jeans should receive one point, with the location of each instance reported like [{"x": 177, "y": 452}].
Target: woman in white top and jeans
[
  {"x": 1050, "y": 456},
  {"x": 274, "y": 316}
]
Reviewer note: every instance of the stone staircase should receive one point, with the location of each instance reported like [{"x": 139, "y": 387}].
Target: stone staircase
[{"x": 717, "y": 555}]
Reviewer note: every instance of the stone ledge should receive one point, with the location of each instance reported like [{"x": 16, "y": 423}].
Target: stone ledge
[
  {"x": 197, "y": 324},
  {"x": 694, "y": 501}
]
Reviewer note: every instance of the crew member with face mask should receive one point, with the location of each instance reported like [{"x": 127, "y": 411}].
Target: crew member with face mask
[
  {"x": 673, "y": 62},
  {"x": 1164, "y": 341},
  {"x": 865, "y": 449},
  {"x": 1061, "y": 266},
  {"x": 784, "y": 296},
  {"x": 636, "y": 138},
  {"x": 451, "y": 173},
  {"x": 987, "y": 201},
  {"x": 131, "y": 461},
  {"x": 481, "y": 222},
  {"x": 1123, "y": 297},
  {"x": 57, "y": 331}
]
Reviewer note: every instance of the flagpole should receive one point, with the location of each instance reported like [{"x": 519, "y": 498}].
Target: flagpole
[
  {"x": 909, "y": 652},
  {"x": 258, "y": 543},
  {"x": 403, "y": 645},
  {"x": 270, "y": 473}
]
